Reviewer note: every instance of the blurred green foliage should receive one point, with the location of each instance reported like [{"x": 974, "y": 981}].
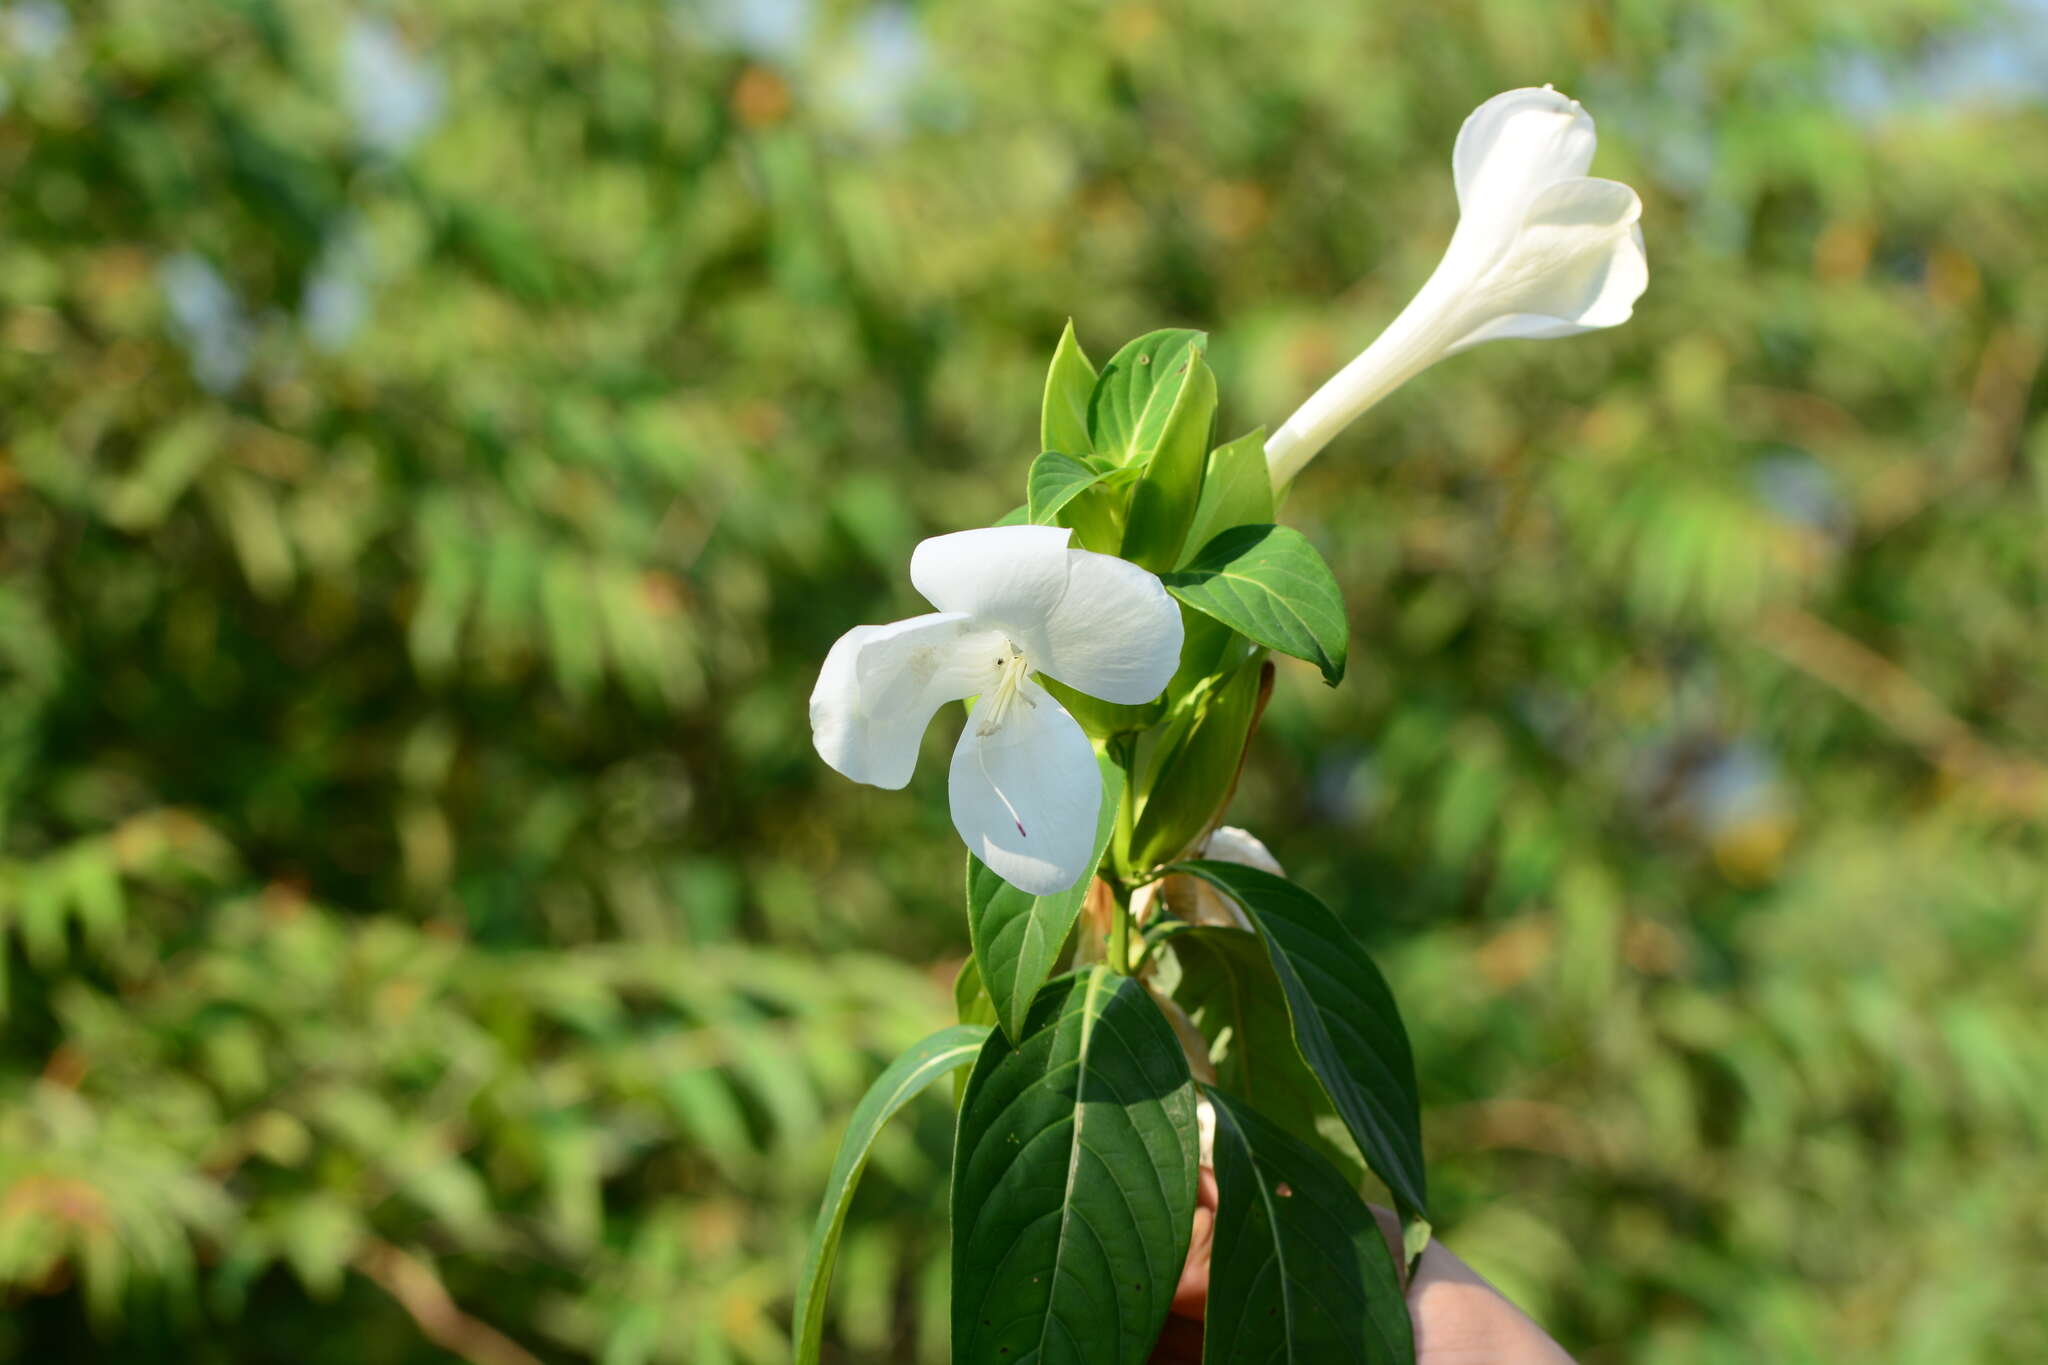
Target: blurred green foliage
[{"x": 440, "y": 441}]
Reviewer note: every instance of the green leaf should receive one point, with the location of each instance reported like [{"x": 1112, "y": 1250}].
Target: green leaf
[
  {"x": 1299, "y": 1270},
  {"x": 1230, "y": 993},
  {"x": 1209, "y": 649},
  {"x": 1269, "y": 583},
  {"x": 1163, "y": 503},
  {"x": 1069, "y": 383},
  {"x": 1016, "y": 516},
  {"x": 1128, "y": 409},
  {"x": 1017, "y": 936},
  {"x": 972, "y": 1005},
  {"x": 1073, "y": 1181},
  {"x": 1344, "y": 1018},
  {"x": 1190, "y": 774},
  {"x": 1236, "y": 491},
  {"x": 1100, "y": 718},
  {"x": 970, "y": 997},
  {"x": 1054, "y": 481},
  {"x": 910, "y": 1073}
]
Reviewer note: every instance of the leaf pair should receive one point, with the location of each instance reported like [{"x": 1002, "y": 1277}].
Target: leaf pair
[{"x": 1074, "y": 1190}]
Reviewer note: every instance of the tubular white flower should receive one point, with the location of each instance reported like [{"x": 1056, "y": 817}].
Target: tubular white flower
[
  {"x": 1541, "y": 250},
  {"x": 1013, "y": 601}
]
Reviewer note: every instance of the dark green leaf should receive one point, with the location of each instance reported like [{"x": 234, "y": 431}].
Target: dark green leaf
[
  {"x": 1229, "y": 990},
  {"x": 1299, "y": 1270},
  {"x": 1017, "y": 936},
  {"x": 1063, "y": 416},
  {"x": 1128, "y": 409},
  {"x": 1269, "y": 583},
  {"x": 1163, "y": 502},
  {"x": 1236, "y": 491},
  {"x": 1073, "y": 1181},
  {"x": 1194, "y": 767},
  {"x": 1344, "y": 1019},
  {"x": 910, "y": 1073}
]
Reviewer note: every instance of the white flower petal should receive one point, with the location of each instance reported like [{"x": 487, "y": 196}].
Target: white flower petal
[
  {"x": 1577, "y": 264},
  {"x": 1003, "y": 576},
  {"x": 1516, "y": 143},
  {"x": 1025, "y": 797},
  {"x": 1229, "y": 844},
  {"x": 881, "y": 684},
  {"x": 1115, "y": 634}
]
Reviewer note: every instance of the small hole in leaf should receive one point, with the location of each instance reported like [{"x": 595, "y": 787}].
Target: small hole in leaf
[
  {"x": 1144, "y": 360},
  {"x": 1284, "y": 1190}
]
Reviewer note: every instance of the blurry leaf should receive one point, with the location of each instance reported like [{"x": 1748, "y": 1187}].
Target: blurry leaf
[
  {"x": 1269, "y": 583},
  {"x": 1299, "y": 1270},
  {"x": 169, "y": 465},
  {"x": 1017, "y": 936},
  {"x": 897, "y": 1086},
  {"x": 1063, "y": 417},
  {"x": 1345, "y": 1020},
  {"x": 249, "y": 512},
  {"x": 572, "y": 620},
  {"x": 1053, "y": 1238},
  {"x": 321, "y": 1234}
]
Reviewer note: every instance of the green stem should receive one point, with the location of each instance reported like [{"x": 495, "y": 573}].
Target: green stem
[
  {"x": 1125, "y": 755},
  {"x": 1123, "y": 751},
  {"x": 1120, "y": 937}
]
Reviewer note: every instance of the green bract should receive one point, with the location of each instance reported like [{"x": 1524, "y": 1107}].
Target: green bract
[{"x": 1075, "y": 1169}]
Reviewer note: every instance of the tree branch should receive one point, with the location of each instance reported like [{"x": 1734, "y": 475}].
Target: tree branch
[{"x": 421, "y": 1294}]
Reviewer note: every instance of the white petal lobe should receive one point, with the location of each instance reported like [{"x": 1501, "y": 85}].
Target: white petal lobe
[
  {"x": 881, "y": 684},
  {"x": 1003, "y": 576},
  {"x": 1116, "y": 634},
  {"x": 1577, "y": 264},
  {"x": 1025, "y": 797},
  {"x": 1518, "y": 142}
]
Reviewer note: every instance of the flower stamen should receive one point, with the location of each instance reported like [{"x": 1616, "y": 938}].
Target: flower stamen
[{"x": 995, "y": 708}]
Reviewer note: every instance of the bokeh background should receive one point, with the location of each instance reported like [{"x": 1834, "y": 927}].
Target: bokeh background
[{"x": 438, "y": 443}]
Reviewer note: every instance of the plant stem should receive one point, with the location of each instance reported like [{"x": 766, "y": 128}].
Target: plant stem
[
  {"x": 1120, "y": 936},
  {"x": 1122, "y": 750}
]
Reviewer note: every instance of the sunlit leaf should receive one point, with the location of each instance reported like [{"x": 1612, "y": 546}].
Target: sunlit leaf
[{"x": 905, "y": 1077}]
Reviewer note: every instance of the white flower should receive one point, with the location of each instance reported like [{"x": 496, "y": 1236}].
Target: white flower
[
  {"x": 1541, "y": 250},
  {"x": 1012, "y": 601},
  {"x": 1195, "y": 900}
]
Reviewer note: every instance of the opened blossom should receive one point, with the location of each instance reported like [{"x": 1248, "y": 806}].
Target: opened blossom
[
  {"x": 1014, "y": 603},
  {"x": 1541, "y": 250}
]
